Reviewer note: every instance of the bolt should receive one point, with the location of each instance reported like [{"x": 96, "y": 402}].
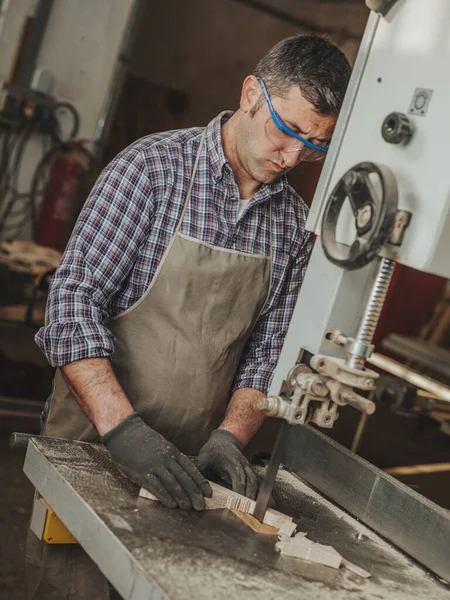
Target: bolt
[
  {"x": 344, "y": 396},
  {"x": 319, "y": 389}
]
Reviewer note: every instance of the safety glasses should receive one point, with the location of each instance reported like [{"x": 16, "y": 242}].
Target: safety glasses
[{"x": 285, "y": 139}]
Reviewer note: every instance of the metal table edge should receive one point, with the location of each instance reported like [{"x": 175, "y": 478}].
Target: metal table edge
[{"x": 130, "y": 580}]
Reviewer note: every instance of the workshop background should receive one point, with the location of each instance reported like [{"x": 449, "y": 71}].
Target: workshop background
[{"x": 79, "y": 82}]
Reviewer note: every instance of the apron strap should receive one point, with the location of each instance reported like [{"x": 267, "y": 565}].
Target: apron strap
[
  {"x": 270, "y": 228},
  {"x": 194, "y": 171},
  {"x": 270, "y": 246}
]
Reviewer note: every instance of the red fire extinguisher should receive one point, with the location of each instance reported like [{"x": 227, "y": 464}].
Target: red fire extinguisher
[{"x": 59, "y": 206}]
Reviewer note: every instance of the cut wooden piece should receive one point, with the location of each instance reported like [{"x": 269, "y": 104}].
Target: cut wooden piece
[
  {"x": 287, "y": 529},
  {"x": 224, "y": 498},
  {"x": 301, "y": 547},
  {"x": 355, "y": 569},
  {"x": 255, "y": 524}
]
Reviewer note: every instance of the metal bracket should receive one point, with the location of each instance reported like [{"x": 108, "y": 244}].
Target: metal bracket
[
  {"x": 309, "y": 397},
  {"x": 47, "y": 526},
  {"x": 337, "y": 369}
]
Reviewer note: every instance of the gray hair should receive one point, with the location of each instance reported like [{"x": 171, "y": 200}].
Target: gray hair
[{"x": 315, "y": 64}]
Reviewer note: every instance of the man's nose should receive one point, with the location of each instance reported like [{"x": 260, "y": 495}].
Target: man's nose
[{"x": 290, "y": 159}]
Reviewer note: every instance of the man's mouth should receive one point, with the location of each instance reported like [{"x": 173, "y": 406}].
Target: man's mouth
[{"x": 277, "y": 167}]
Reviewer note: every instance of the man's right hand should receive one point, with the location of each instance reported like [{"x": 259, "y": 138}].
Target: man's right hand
[{"x": 154, "y": 463}]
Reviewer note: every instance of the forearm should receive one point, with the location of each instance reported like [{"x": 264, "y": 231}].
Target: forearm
[
  {"x": 243, "y": 419},
  {"x": 96, "y": 389}
]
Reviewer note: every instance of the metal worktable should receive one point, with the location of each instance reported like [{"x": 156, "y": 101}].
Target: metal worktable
[{"x": 148, "y": 551}]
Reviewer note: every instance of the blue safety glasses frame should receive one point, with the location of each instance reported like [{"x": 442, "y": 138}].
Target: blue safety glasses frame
[{"x": 283, "y": 127}]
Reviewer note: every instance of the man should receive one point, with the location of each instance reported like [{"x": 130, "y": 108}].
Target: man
[{"x": 176, "y": 289}]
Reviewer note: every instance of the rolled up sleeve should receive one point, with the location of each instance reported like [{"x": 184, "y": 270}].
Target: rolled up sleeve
[{"x": 112, "y": 227}]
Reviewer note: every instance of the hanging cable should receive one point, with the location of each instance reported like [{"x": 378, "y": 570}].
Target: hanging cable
[{"x": 20, "y": 208}]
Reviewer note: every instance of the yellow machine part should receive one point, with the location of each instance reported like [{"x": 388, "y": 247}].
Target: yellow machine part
[{"x": 55, "y": 532}]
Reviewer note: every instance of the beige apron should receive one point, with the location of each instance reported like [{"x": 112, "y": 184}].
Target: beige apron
[{"x": 179, "y": 346}]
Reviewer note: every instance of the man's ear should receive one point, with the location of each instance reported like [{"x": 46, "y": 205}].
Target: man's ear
[{"x": 251, "y": 91}]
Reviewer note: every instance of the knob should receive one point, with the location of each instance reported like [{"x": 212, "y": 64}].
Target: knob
[{"x": 396, "y": 128}]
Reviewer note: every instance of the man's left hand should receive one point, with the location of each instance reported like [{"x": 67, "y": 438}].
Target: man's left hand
[{"x": 222, "y": 454}]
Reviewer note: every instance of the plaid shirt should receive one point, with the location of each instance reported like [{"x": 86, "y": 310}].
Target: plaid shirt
[{"x": 127, "y": 223}]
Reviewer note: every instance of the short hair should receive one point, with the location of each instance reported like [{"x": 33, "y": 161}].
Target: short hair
[{"x": 312, "y": 62}]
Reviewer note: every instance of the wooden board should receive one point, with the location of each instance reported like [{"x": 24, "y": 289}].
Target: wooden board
[{"x": 224, "y": 498}]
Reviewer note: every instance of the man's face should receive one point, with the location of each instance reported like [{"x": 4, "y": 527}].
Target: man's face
[{"x": 261, "y": 154}]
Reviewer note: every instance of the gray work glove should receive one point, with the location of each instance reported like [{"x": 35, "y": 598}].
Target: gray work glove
[
  {"x": 222, "y": 454},
  {"x": 151, "y": 461}
]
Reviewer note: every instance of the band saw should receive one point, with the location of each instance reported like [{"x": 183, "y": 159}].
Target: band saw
[{"x": 383, "y": 198}]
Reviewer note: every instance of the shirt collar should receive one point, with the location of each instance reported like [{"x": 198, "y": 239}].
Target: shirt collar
[
  {"x": 214, "y": 143},
  {"x": 218, "y": 160}
]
